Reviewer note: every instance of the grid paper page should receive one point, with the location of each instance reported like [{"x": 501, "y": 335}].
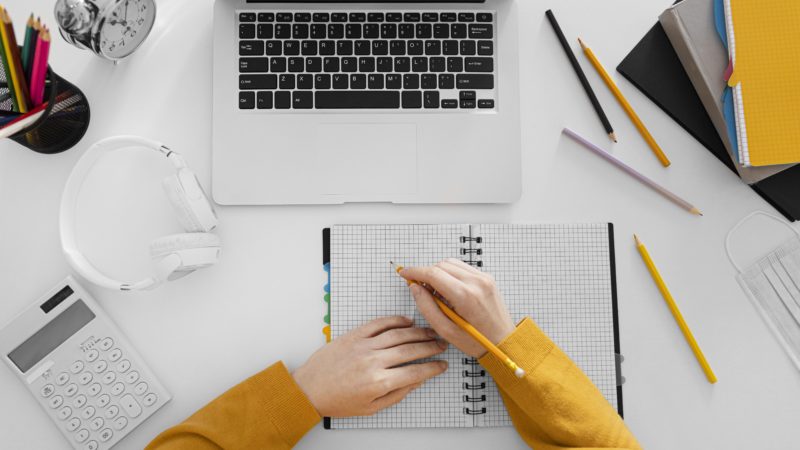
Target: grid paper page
[
  {"x": 560, "y": 276},
  {"x": 364, "y": 287}
]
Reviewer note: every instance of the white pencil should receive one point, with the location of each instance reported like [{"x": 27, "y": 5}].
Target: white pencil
[{"x": 633, "y": 172}]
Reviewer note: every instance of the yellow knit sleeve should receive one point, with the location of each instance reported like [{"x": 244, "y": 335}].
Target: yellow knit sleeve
[
  {"x": 268, "y": 410},
  {"x": 555, "y": 406}
]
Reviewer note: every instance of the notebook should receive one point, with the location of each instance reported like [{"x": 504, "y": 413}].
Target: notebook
[
  {"x": 562, "y": 276},
  {"x": 764, "y": 47},
  {"x": 654, "y": 68}
]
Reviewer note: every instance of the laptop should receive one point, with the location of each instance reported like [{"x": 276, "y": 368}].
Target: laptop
[{"x": 338, "y": 102}]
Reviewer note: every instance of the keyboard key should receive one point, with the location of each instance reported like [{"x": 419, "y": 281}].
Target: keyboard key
[
  {"x": 441, "y": 31},
  {"x": 411, "y": 17},
  {"x": 438, "y": 64},
  {"x": 424, "y": 31},
  {"x": 394, "y": 17},
  {"x": 71, "y": 390},
  {"x": 467, "y": 104},
  {"x": 120, "y": 423},
  {"x": 322, "y": 81},
  {"x": 340, "y": 81},
  {"x": 467, "y": 95},
  {"x": 277, "y": 64},
  {"x": 468, "y": 48},
  {"x": 305, "y": 81},
  {"x": 486, "y": 104},
  {"x": 295, "y": 65},
  {"x": 402, "y": 64},
  {"x": 454, "y": 64},
  {"x": 375, "y": 17},
  {"x": 79, "y": 401},
  {"x": 361, "y": 48},
  {"x": 358, "y": 81},
  {"x": 286, "y": 81},
  {"x": 82, "y": 435},
  {"x": 415, "y": 48},
  {"x": 430, "y": 17},
  {"x": 366, "y": 64},
  {"x": 247, "y": 17},
  {"x": 302, "y": 17},
  {"x": 335, "y": 31},
  {"x": 478, "y": 65},
  {"x": 397, "y": 48},
  {"x": 330, "y": 64},
  {"x": 283, "y": 100},
  {"x": 283, "y": 31},
  {"x": 62, "y": 378},
  {"x": 406, "y": 30},
  {"x": 411, "y": 81},
  {"x": 357, "y": 99},
  {"x": 450, "y": 48},
  {"x": 248, "y": 65},
  {"x": 349, "y": 65},
  {"x": 412, "y": 99},
  {"x": 431, "y": 99},
  {"x": 481, "y": 31},
  {"x": 150, "y": 399},
  {"x": 102, "y": 401},
  {"x": 246, "y": 48},
  {"x": 358, "y": 17},
  {"x": 64, "y": 413},
  {"x": 321, "y": 17},
  {"x": 385, "y": 64},
  {"x": 447, "y": 81},
  {"x": 111, "y": 412},
  {"x": 474, "y": 81},
  {"x": 283, "y": 17},
  {"x": 429, "y": 82},
  {"x": 485, "y": 48},
  {"x": 73, "y": 424},
  {"x": 375, "y": 81},
  {"x": 106, "y": 434},
  {"x": 291, "y": 48},
  {"x": 458, "y": 31},
  {"x": 448, "y": 17},
  {"x": 76, "y": 367},
  {"x": 394, "y": 81},
  {"x": 265, "y": 31},
  {"x": 353, "y": 31},
  {"x": 344, "y": 48},
  {"x": 123, "y": 366},
  {"x": 264, "y": 100},
  {"x": 308, "y": 48},
  {"x": 466, "y": 17},
  {"x": 95, "y": 388},
  {"x": 247, "y": 31},
  {"x": 327, "y": 48},
  {"x": 371, "y": 31},
  {"x": 247, "y": 82},
  {"x": 266, "y": 17},
  {"x": 484, "y": 17},
  {"x": 380, "y": 48},
  {"x": 388, "y": 31},
  {"x": 300, "y": 100},
  {"x": 419, "y": 64},
  {"x": 274, "y": 48},
  {"x": 433, "y": 48},
  {"x": 300, "y": 31},
  {"x": 318, "y": 31},
  {"x": 314, "y": 64},
  {"x": 339, "y": 17},
  {"x": 97, "y": 423}
]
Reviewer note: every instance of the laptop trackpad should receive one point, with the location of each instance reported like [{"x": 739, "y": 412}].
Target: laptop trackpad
[{"x": 367, "y": 159}]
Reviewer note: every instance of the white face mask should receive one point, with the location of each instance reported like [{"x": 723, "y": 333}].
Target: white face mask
[{"x": 773, "y": 285}]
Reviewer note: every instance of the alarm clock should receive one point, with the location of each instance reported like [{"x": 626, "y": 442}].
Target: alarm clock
[{"x": 112, "y": 29}]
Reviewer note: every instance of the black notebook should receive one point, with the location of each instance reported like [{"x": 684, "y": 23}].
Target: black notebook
[
  {"x": 562, "y": 276},
  {"x": 655, "y": 69}
]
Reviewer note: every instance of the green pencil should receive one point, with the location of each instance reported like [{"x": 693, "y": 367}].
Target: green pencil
[{"x": 29, "y": 47}]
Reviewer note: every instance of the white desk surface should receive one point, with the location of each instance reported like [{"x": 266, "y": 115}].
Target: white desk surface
[{"x": 263, "y": 302}]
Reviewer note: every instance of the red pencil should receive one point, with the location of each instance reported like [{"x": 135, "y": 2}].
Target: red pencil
[{"x": 39, "y": 71}]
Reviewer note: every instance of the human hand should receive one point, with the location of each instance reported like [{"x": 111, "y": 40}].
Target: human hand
[
  {"x": 472, "y": 294},
  {"x": 357, "y": 374}
]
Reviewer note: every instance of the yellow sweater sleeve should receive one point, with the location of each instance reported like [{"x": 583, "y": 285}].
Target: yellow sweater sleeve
[
  {"x": 268, "y": 410},
  {"x": 555, "y": 406}
]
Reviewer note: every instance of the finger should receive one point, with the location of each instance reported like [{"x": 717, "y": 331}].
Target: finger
[
  {"x": 468, "y": 267},
  {"x": 397, "y": 336},
  {"x": 392, "y": 398},
  {"x": 455, "y": 267},
  {"x": 378, "y": 326},
  {"x": 435, "y": 277},
  {"x": 415, "y": 373},
  {"x": 430, "y": 310},
  {"x": 407, "y": 353}
]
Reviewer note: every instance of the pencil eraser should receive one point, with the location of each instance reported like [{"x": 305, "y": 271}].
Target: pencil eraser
[{"x": 519, "y": 372}]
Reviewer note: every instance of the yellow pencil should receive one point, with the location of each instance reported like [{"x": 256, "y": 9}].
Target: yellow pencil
[
  {"x": 12, "y": 56},
  {"x": 676, "y": 313},
  {"x": 625, "y": 105},
  {"x": 469, "y": 329}
]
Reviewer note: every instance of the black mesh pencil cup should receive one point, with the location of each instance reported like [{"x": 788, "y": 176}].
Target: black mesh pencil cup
[{"x": 64, "y": 121}]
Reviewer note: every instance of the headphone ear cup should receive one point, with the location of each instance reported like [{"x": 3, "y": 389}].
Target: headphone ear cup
[
  {"x": 178, "y": 255},
  {"x": 177, "y": 197}
]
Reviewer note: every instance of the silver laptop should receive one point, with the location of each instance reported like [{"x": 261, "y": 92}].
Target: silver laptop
[{"x": 336, "y": 102}]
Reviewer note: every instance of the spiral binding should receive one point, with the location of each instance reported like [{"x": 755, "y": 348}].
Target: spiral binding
[{"x": 474, "y": 375}]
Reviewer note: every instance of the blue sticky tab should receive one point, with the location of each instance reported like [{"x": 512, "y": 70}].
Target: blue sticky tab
[
  {"x": 730, "y": 119},
  {"x": 719, "y": 21}
]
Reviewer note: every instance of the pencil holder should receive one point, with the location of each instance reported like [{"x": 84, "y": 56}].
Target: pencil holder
[{"x": 64, "y": 121}]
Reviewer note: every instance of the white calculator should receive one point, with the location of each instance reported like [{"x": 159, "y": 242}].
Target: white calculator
[{"x": 81, "y": 368}]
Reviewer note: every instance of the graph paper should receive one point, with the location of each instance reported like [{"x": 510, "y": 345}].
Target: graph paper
[{"x": 559, "y": 275}]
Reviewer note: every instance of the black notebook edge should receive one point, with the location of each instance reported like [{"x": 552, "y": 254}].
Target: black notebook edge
[
  {"x": 326, "y": 259},
  {"x": 615, "y": 315}
]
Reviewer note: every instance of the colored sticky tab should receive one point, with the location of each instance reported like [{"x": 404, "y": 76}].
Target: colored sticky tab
[
  {"x": 719, "y": 21},
  {"x": 730, "y": 121},
  {"x": 327, "y": 332}
]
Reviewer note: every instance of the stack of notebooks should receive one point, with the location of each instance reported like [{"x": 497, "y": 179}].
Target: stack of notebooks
[{"x": 726, "y": 70}]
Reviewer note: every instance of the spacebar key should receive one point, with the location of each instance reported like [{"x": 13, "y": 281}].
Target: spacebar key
[{"x": 357, "y": 99}]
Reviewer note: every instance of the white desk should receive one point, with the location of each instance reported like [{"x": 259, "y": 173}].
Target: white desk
[{"x": 263, "y": 302}]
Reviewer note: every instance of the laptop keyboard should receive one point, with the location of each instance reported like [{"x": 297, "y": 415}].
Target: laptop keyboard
[{"x": 405, "y": 60}]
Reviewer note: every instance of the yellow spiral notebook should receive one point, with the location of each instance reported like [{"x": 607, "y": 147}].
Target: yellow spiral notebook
[{"x": 764, "y": 38}]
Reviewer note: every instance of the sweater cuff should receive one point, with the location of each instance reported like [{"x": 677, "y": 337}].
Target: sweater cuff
[
  {"x": 527, "y": 346},
  {"x": 287, "y": 407}
]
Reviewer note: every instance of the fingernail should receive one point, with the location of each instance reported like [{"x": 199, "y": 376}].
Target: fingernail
[
  {"x": 431, "y": 333},
  {"x": 442, "y": 344},
  {"x": 443, "y": 365},
  {"x": 415, "y": 290}
]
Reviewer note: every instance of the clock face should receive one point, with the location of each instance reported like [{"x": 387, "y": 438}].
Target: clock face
[{"x": 125, "y": 27}]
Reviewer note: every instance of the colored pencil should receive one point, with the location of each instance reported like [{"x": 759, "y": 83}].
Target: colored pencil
[
  {"x": 581, "y": 75},
  {"x": 469, "y": 329},
  {"x": 22, "y": 121},
  {"x": 633, "y": 172},
  {"x": 29, "y": 47},
  {"x": 39, "y": 72},
  {"x": 676, "y": 313},
  {"x": 14, "y": 60},
  {"x": 4, "y": 54},
  {"x": 625, "y": 105}
]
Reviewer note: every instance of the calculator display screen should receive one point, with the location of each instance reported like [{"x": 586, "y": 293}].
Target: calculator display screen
[{"x": 51, "y": 336}]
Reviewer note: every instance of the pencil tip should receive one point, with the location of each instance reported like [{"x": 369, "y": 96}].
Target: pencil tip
[
  {"x": 583, "y": 44},
  {"x": 696, "y": 211},
  {"x": 613, "y": 136},
  {"x": 636, "y": 238}
]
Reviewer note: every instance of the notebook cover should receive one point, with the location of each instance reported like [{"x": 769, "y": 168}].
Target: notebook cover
[{"x": 654, "y": 68}]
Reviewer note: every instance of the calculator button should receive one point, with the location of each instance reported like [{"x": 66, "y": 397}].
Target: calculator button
[
  {"x": 112, "y": 412},
  {"x": 62, "y": 378},
  {"x": 115, "y": 354},
  {"x": 76, "y": 367},
  {"x": 82, "y": 435},
  {"x": 140, "y": 388},
  {"x": 92, "y": 445},
  {"x": 71, "y": 390},
  {"x": 48, "y": 390},
  {"x": 109, "y": 377},
  {"x": 79, "y": 402},
  {"x": 130, "y": 405},
  {"x": 73, "y": 424},
  {"x": 94, "y": 390},
  {"x": 56, "y": 401},
  {"x": 85, "y": 378},
  {"x": 92, "y": 355},
  {"x": 100, "y": 367},
  {"x": 64, "y": 413},
  {"x": 97, "y": 423},
  {"x": 150, "y": 399},
  {"x": 117, "y": 389},
  {"x": 106, "y": 344},
  {"x": 103, "y": 400},
  {"x": 106, "y": 434},
  {"x": 132, "y": 377},
  {"x": 88, "y": 413},
  {"x": 123, "y": 366},
  {"x": 120, "y": 423}
]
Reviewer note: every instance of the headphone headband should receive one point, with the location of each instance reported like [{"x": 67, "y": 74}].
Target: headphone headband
[{"x": 69, "y": 201}]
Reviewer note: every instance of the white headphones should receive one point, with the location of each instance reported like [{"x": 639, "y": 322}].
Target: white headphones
[{"x": 176, "y": 255}]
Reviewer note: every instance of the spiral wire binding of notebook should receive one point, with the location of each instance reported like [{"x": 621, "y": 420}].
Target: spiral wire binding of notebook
[{"x": 562, "y": 276}]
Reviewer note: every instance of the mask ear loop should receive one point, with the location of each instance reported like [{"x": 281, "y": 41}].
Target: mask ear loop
[{"x": 745, "y": 219}]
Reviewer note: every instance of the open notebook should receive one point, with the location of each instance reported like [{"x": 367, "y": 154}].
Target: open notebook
[{"x": 562, "y": 276}]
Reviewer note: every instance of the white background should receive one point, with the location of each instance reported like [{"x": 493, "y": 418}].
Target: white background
[{"x": 263, "y": 302}]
